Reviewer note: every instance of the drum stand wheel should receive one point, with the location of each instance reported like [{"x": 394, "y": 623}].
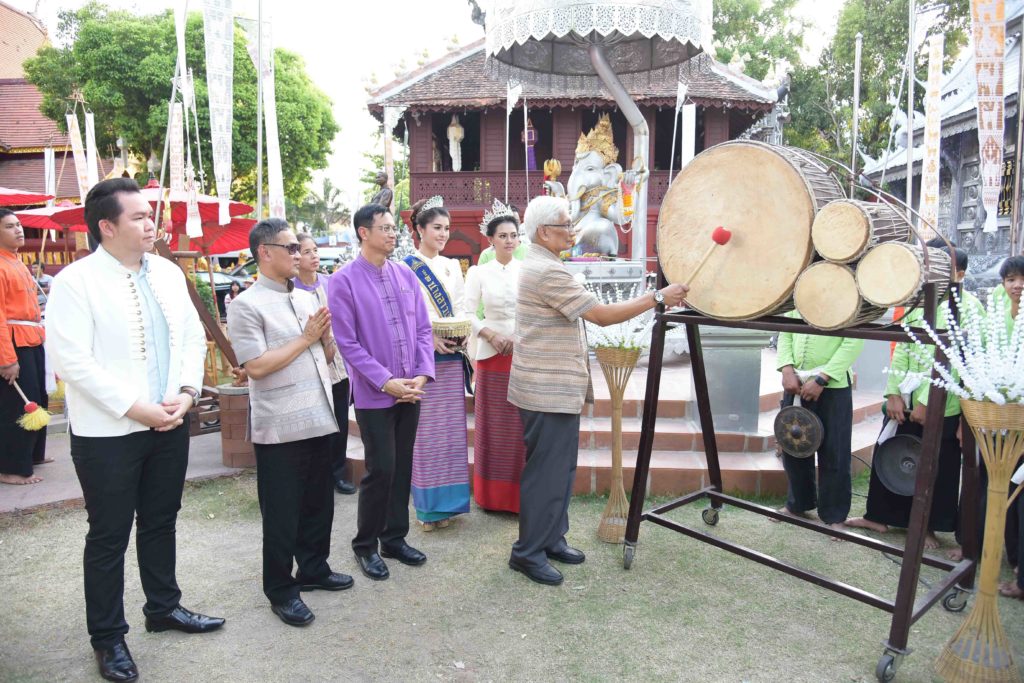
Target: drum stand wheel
[
  {"x": 955, "y": 600},
  {"x": 628, "y": 553},
  {"x": 887, "y": 665},
  {"x": 710, "y": 516}
]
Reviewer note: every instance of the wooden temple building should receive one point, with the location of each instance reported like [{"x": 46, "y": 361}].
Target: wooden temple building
[{"x": 729, "y": 105}]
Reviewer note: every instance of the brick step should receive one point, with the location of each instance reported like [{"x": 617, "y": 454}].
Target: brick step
[{"x": 678, "y": 472}]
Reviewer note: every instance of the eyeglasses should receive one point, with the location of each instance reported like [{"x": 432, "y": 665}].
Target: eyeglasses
[
  {"x": 389, "y": 230},
  {"x": 564, "y": 226},
  {"x": 292, "y": 248}
]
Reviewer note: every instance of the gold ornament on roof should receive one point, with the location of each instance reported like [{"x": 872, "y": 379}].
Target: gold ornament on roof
[{"x": 600, "y": 140}]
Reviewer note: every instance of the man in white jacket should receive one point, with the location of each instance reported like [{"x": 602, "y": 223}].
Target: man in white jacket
[{"x": 126, "y": 340}]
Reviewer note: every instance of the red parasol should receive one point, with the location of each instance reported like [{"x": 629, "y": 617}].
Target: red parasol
[
  {"x": 208, "y": 208},
  {"x": 219, "y": 239},
  {"x": 9, "y": 197},
  {"x": 70, "y": 218}
]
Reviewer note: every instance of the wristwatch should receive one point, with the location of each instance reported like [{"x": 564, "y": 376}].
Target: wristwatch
[
  {"x": 192, "y": 393},
  {"x": 821, "y": 381},
  {"x": 659, "y": 298}
]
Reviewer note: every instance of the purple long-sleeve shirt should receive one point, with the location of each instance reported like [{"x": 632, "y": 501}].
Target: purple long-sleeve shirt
[{"x": 382, "y": 328}]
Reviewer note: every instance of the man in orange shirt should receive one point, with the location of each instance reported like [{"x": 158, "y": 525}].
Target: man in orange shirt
[{"x": 21, "y": 357}]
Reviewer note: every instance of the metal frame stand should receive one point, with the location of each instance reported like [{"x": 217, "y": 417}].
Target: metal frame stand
[{"x": 906, "y": 609}]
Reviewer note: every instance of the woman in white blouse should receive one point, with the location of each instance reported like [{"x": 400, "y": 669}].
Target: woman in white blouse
[
  {"x": 440, "y": 457},
  {"x": 499, "y": 452}
]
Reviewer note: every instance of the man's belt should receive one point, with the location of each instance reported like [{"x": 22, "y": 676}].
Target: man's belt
[{"x": 26, "y": 323}]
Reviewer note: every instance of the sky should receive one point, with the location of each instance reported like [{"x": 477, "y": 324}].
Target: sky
[{"x": 346, "y": 44}]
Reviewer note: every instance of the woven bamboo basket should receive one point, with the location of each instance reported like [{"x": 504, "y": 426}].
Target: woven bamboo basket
[
  {"x": 617, "y": 365},
  {"x": 980, "y": 651}
]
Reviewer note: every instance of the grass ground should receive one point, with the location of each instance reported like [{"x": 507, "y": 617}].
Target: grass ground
[{"x": 685, "y": 612}]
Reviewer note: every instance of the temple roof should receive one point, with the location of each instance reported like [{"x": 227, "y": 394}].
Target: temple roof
[
  {"x": 458, "y": 80},
  {"x": 28, "y": 174},
  {"x": 22, "y": 126},
  {"x": 21, "y": 37}
]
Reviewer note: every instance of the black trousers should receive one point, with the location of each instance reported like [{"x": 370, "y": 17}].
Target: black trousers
[
  {"x": 339, "y": 441},
  {"x": 389, "y": 435},
  {"x": 296, "y": 495},
  {"x": 833, "y": 491},
  {"x": 138, "y": 476},
  {"x": 886, "y": 507},
  {"x": 19, "y": 448},
  {"x": 552, "y": 446}
]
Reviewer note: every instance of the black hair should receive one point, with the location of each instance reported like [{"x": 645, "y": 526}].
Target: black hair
[
  {"x": 103, "y": 204},
  {"x": 492, "y": 225},
  {"x": 305, "y": 236},
  {"x": 420, "y": 218},
  {"x": 363, "y": 218},
  {"x": 4, "y": 213},
  {"x": 236, "y": 283},
  {"x": 264, "y": 232},
  {"x": 957, "y": 254},
  {"x": 1013, "y": 265}
]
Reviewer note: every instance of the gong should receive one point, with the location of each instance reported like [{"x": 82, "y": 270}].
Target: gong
[
  {"x": 895, "y": 463},
  {"x": 798, "y": 431}
]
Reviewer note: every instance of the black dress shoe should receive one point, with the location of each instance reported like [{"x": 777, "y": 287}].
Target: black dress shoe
[
  {"x": 373, "y": 567},
  {"x": 116, "y": 663},
  {"x": 187, "y": 621},
  {"x": 333, "y": 582},
  {"x": 343, "y": 487},
  {"x": 567, "y": 556},
  {"x": 547, "y": 574},
  {"x": 404, "y": 553},
  {"x": 294, "y": 612}
]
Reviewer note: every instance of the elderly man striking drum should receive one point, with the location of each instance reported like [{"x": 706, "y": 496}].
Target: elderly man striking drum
[{"x": 550, "y": 382}]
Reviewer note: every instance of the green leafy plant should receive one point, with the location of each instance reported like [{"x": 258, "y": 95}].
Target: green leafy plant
[{"x": 206, "y": 294}]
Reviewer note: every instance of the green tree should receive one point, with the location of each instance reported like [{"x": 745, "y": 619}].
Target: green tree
[
  {"x": 821, "y": 103},
  {"x": 375, "y": 164},
  {"x": 320, "y": 210},
  {"x": 761, "y": 33},
  {"x": 121, "y": 64}
]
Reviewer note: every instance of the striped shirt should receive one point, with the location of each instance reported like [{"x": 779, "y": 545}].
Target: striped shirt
[{"x": 550, "y": 368}]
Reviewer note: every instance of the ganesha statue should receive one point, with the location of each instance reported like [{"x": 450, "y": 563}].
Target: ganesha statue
[{"x": 600, "y": 193}]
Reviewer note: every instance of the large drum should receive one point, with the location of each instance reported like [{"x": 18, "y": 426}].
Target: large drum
[
  {"x": 847, "y": 228},
  {"x": 894, "y": 273},
  {"x": 827, "y": 298},
  {"x": 768, "y": 197}
]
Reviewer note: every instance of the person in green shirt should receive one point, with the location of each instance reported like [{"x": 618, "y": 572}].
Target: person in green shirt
[
  {"x": 817, "y": 370},
  {"x": 906, "y": 396}
]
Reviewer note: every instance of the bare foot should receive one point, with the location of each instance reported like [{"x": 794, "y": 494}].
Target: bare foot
[
  {"x": 864, "y": 523},
  {"x": 789, "y": 513},
  {"x": 19, "y": 480},
  {"x": 838, "y": 526},
  {"x": 956, "y": 554},
  {"x": 1012, "y": 591},
  {"x": 931, "y": 541}
]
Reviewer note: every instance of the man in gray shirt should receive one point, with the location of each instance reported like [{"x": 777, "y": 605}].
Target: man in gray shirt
[{"x": 282, "y": 339}]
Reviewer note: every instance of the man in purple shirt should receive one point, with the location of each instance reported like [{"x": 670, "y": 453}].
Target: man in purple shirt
[{"x": 383, "y": 331}]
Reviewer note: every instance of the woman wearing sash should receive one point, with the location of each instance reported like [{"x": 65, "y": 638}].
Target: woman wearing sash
[
  {"x": 499, "y": 451},
  {"x": 440, "y": 458}
]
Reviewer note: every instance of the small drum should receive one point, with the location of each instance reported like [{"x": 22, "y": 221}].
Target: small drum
[
  {"x": 847, "y": 228},
  {"x": 827, "y": 298},
  {"x": 767, "y": 196},
  {"x": 894, "y": 273},
  {"x": 453, "y": 329}
]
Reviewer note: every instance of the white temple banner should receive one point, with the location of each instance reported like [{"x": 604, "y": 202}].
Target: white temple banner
[
  {"x": 219, "y": 32},
  {"x": 91, "y": 157},
  {"x": 78, "y": 151},
  {"x": 50, "y": 175},
  {"x": 180, "y": 21},
  {"x": 929, "y": 208},
  {"x": 689, "y": 134},
  {"x": 988, "y": 30},
  {"x": 275, "y": 176},
  {"x": 177, "y": 149}
]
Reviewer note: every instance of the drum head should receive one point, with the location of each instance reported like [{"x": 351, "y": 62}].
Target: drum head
[
  {"x": 798, "y": 431},
  {"x": 895, "y": 463},
  {"x": 826, "y": 295},
  {"x": 841, "y": 231},
  {"x": 756, "y": 192},
  {"x": 890, "y": 274}
]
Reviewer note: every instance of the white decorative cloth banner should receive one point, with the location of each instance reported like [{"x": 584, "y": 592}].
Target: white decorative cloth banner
[
  {"x": 180, "y": 21},
  {"x": 929, "y": 208},
  {"x": 689, "y": 135},
  {"x": 988, "y": 30},
  {"x": 193, "y": 221},
  {"x": 91, "y": 158},
  {"x": 50, "y": 175},
  {"x": 78, "y": 151},
  {"x": 392, "y": 115},
  {"x": 275, "y": 176},
  {"x": 177, "y": 149},
  {"x": 681, "y": 90},
  {"x": 514, "y": 92},
  {"x": 219, "y": 32}
]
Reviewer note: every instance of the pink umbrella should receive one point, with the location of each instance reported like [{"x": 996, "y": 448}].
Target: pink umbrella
[{"x": 9, "y": 197}]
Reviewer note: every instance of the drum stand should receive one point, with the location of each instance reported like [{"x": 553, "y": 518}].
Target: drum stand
[{"x": 952, "y": 589}]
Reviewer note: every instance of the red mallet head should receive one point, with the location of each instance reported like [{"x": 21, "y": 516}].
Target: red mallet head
[
  {"x": 721, "y": 236},
  {"x": 31, "y": 407}
]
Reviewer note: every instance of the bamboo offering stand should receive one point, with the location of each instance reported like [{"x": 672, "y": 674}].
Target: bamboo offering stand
[
  {"x": 617, "y": 364},
  {"x": 951, "y": 589},
  {"x": 980, "y": 651}
]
